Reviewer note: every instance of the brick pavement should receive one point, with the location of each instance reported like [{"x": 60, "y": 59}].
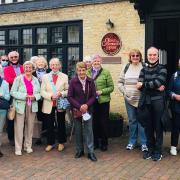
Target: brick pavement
[{"x": 116, "y": 163}]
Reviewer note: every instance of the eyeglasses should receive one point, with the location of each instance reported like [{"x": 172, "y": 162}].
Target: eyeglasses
[
  {"x": 5, "y": 60},
  {"x": 152, "y": 55},
  {"x": 13, "y": 57},
  {"x": 135, "y": 55}
]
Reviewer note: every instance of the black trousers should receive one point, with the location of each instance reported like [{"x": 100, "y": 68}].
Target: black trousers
[
  {"x": 10, "y": 129},
  {"x": 153, "y": 128},
  {"x": 100, "y": 123},
  {"x": 41, "y": 116},
  {"x": 175, "y": 129},
  {"x": 61, "y": 128}
]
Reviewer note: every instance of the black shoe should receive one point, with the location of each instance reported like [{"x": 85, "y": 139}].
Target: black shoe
[
  {"x": 157, "y": 157},
  {"x": 38, "y": 142},
  {"x": 92, "y": 157},
  {"x": 104, "y": 148},
  {"x": 11, "y": 142},
  {"x": 79, "y": 154},
  {"x": 147, "y": 155},
  {"x": 1, "y": 154}
]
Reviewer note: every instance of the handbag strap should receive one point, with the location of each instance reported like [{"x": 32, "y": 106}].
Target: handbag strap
[{"x": 52, "y": 83}]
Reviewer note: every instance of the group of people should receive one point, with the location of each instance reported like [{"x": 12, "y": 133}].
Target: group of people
[
  {"x": 35, "y": 91},
  {"x": 146, "y": 91}
]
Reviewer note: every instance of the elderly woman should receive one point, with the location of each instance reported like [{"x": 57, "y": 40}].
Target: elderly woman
[
  {"x": 104, "y": 87},
  {"x": 127, "y": 85},
  {"x": 4, "y": 93},
  {"x": 41, "y": 69},
  {"x": 82, "y": 95},
  {"x": 4, "y": 63},
  {"x": 25, "y": 92},
  {"x": 54, "y": 85},
  {"x": 152, "y": 80},
  {"x": 174, "y": 93},
  {"x": 88, "y": 61}
]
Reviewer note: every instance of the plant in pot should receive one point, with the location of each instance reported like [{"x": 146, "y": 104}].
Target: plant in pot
[{"x": 115, "y": 125}]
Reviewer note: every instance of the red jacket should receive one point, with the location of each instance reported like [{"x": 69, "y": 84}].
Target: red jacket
[{"x": 10, "y": 75}]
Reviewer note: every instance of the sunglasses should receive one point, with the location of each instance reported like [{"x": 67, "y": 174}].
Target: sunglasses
[
  {"x": 13, "y": 57},
  {"x": 4, "y": 60},
  {"x": 135, "y": 55}
]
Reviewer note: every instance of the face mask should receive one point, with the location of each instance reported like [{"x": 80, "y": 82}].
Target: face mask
[
  {"x": 41, "y": 69},
  {"x": 4, "y": 63}
]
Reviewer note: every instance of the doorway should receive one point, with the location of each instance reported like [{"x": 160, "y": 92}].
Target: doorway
[{"x": 167, "y": 39}]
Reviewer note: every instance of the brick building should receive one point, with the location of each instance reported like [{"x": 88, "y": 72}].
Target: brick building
[{"x": 71, "y": 29}]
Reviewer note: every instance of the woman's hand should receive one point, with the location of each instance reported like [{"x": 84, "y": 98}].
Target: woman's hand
[
  {"x": 98, "y": 93},
  {"x": 161, "y": 88},
  {"x": 54, "y": 97},
  {"x": 30, "y": 97},
  {"x": 59, "y": 94},
  {"x": 177, "y": 97},
  {"x": 84, "y": 108},
  {"x": 139, "y": 85}
]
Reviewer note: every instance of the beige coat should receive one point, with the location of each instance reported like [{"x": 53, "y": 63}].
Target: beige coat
[{"x": 47, "y": 90}]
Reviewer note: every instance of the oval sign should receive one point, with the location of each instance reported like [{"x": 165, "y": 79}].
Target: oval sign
[{"x": 111, "y": 44}]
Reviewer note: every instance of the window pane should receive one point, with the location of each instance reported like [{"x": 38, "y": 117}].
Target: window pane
[
  {"x": 27, "y": 54},
  {"x": 73, "y": 58},
  {"x": 56, "y": 52},
  {"x": 73, "y": 34},
  {"x": 13, "y": 36},
  {"x": 2, "y": 37},
  {"x": 57, "y": 35},
  {"x": 41, "y": 35},
  {"x": 42, "y": 52},
  {"x": 2, "y": 52},
  {"x": 27, "y": 36}
]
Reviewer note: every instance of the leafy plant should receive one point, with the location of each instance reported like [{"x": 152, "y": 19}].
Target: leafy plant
[{"x": 115, "y": 116}]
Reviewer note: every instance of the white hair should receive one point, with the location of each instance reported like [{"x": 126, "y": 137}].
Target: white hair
[
  {"x": 54, "y": 60},
  {"x": 87, "y": 58},
  {"x": 29, "y": 62}
]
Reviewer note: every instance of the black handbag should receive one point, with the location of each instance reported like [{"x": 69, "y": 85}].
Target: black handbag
[{"x": 4, "y": 104}]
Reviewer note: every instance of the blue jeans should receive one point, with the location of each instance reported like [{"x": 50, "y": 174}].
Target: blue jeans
[{"x": 135, "y": 128}]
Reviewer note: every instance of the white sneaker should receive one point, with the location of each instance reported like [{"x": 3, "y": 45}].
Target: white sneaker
[
  {"x": 29, "y": 150},
  {"x": 18, "y": 153},
  {"x": 130, "y": 147},
  {"x": 173, "y": 151},
  {"x": 144, "y": 148}
]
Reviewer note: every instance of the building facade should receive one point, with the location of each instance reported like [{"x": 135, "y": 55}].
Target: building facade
[{"x": 71, "y": 30}]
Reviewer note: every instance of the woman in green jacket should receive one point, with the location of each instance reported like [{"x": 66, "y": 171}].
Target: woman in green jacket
[{"x": 104, "y": 87}]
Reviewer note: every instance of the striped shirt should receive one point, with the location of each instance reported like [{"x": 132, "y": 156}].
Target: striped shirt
[
  {"x": 127, "y": 84},
  {"x": 152, "y": 78}
]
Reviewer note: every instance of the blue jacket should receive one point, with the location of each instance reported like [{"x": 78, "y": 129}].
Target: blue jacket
[
  {"x": 4, "y": 90},
  {"x": 174, "y": 88}
]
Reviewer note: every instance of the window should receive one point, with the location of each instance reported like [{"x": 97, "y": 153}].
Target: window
[
  {"x": 73, "y": 58},
  {"x": 57, "y": 35},
  {"x": 2, "y": 37},
  {"x": 42, "y": 52},
  {"x": 2, "y": 52},
  {"x": 41, "y": 35},
  {"x": 13, "y": 37},
  {"x": 73, "y": 34},
  {"x": 27, "y": 36},
  {"x": 57, "y": 52},
  {"x": 60, "y": 39},
  {"x": 27, "y": 54}
]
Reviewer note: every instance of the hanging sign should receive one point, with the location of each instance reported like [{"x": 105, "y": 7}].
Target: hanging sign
[{"x": 111, "y": 44}]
